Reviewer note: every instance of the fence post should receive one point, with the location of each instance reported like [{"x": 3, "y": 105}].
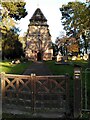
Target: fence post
[
  {"x": 33, "y": 76},
  {"x": 67, "y": 94},
  {"x": 3, "y": 83},
  {"x": 17, "y": 88},
  {"x": 77, "y": 91}
]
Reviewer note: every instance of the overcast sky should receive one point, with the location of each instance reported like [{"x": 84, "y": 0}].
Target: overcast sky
[{"x": 50, "y": 9}]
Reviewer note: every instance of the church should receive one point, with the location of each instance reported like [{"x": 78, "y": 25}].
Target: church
[{"x": 38, "y": 38}]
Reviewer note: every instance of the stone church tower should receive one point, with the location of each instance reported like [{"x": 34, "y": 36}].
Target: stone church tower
[{"x": 38, "y": 43}]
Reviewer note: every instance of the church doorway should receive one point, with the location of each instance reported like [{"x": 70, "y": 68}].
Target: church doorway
[{"x": 39, "y": 56}]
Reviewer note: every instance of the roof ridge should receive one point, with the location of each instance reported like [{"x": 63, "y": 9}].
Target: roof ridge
[{"x": 38, "y": 15}]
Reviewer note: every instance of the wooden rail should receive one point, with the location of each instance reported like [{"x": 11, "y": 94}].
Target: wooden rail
[{"x": 40, "y": 92}]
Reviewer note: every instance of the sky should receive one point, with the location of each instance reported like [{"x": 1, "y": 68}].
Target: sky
[{"x": 50, "y": 9}]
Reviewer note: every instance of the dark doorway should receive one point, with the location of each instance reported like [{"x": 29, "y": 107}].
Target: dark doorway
[{"x": 39, "y": 56}]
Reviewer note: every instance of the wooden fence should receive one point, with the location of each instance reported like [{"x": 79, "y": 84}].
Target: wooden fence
[{"x": 36, "y": 93}]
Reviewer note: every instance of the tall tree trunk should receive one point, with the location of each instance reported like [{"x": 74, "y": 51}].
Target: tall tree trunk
[
  {"x": 89, "y": 61},
  {"x": 86, "y": 49},
  {"x": 89, "y": 57}
]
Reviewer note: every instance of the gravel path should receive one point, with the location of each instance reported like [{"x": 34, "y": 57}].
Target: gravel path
[{"x": 39, "y": 68}]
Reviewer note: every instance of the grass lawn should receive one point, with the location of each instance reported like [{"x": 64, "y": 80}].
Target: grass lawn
[
  {"x": 7, "y": 67},
  {"x": 63, "y": 69}
]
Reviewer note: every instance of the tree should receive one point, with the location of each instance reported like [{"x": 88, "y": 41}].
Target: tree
[
  {"x": 55, "y": 49},
  {"x": 10, "y": 12},
  {"x": 16, "y": 10},
  {"x": 72, "y": 46},
  {"x": 11, "y": 47},
  {"x": 76, "y": 19},
  {"x": 67, "y": 45},
  {"x": 62, "y": 44},
  {"x": 22, "y": 39}
]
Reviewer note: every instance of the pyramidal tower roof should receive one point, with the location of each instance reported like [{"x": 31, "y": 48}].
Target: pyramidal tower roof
[{"x": 38, "y": 16}]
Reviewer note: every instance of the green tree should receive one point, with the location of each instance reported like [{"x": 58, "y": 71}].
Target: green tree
[
  {"x": 55, "y": 49},
  {"x": 11, "y": 46},
  {"x": 10, "y": 13},
  {"x": 76, "y": 19},
  {"x": 22, "y": 39},
  {"x": 62, "y": 43},
  {"x": 16, "y": 10},
  {"x": 67, "y": 45}
]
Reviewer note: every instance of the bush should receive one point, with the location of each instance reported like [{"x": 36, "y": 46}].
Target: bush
[{"x": 23, "y": 59}]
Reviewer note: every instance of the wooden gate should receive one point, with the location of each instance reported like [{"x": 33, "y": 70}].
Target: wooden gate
[{"x": 36, "y": 93}]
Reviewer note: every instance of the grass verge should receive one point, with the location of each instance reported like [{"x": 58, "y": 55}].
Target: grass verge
[{"x": 7, "y": 67}]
